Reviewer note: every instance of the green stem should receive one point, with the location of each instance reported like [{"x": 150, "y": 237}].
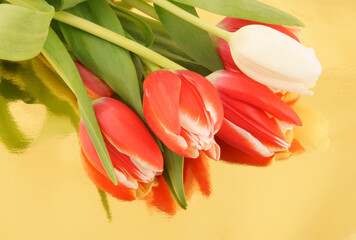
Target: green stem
[
  {"x": 150, "y": 65},
  {"x": 116, "y": 39},
  {"x": 193, "y": 19},
  {"x": 143, "y": 7}
]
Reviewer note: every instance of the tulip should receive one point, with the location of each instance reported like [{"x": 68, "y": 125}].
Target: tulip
[
  {"x": 274, "y": 59},
  {"x": 255, "y": 118},
  {"x": 133, "y": 151},
  {"x": 232, "y": 25},
  {"x": 95, "y": 87},
  {"x": 184, "y": 110}
]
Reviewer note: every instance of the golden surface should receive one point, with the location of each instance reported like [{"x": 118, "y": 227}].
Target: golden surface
[{"x": 46, "y": 194}]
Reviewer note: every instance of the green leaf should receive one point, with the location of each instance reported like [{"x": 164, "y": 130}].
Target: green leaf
[
  {"x": 245, "y": 9},
  {"x": 123, "y": 13},
  {"x": 111, "y": 63},
  {"x": 194, "y": 41},
  {"x": 23, "y": 29},
  {"x": 64, "y": 4},
  {"x": 173, "y": 175},
  {"x": 59, "y": 58},
  {"x": 163, "y": 44}
]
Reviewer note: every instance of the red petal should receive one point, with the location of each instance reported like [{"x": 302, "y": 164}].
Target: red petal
[
  {"x": 233, "y": 24},
  {"x": 161, "y": 108},
  {"x": 125, "y": 130},
  {"x": 213, "y": 152},
  {"x": 192, "y": 114},
  {"x": 235, "y": 156},
  {"x": 91, "y": 154},
  {"x": 241, "y": 139},
  {"x": 208, "y": 94},
  {"x": 120, "y": 191},
  {"x": 95, "y": 87},
  {"x": 254, "y": 121},
  {"x": 238, "y": 86}
]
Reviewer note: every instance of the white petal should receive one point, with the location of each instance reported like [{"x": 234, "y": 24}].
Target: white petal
[{"x": 274, "y": 59}]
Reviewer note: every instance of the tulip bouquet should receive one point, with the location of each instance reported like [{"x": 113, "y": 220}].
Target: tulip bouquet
[{"x": 162, "y": 93}]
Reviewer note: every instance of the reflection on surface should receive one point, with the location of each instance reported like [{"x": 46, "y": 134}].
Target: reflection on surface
[
  {"x": 47, "y": 195},
  {"x": 155, "y": 194},
  {"x": 32, "y": 83}
]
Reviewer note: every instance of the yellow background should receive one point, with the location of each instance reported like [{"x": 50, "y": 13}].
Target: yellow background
[{"x": 45, "y": 194}]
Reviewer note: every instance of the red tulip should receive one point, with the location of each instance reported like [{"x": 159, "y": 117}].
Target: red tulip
[
  {"x": 255, "y": 118},
  {"x": 133, "y": 151},
  {"x": 232, "y": 25},
  {"x": 95, "y": 87},
  {"x": 184, "y": 110}
]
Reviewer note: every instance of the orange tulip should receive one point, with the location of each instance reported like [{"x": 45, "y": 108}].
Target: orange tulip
[
  {"x": 184, "y": 110},
  {"x": 133, "y": 151}
]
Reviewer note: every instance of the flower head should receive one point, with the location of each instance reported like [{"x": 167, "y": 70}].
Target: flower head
[
  {"x": 274, "y": 59},
  {"x": 133, "y": 151},
  {"x": 255, "y": 118},
  {"x": 184, "y": 110}
]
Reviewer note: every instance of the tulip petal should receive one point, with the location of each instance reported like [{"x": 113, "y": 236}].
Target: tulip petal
[
  {"x": 254, "y": 121},
  {"x": 91, "y": 154},
  {"x": 119, "y": 191},
  {"x": 192, "y": 114},
  {"x": 274, "y": 59},
  {"x": 124, "y": 130},
  {"x": 235, "y": 156},
  {"x": 233, "y": 24},
  {"x": 95, "y": 87},
  {"x": 161, "y": 108},
  {"x": 213, "y": 152},
  {"x": 242, "y": 140},
  {"x": 127, "y": 165},
  {"x": 240, "y": 87},
  {"x": 208, "y": 94}
]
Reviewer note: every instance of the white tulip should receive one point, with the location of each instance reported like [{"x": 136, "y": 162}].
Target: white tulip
[{"x": 274, "y": 59}]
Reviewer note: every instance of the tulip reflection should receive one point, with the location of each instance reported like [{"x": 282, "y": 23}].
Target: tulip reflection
[
  {"x": 32, "y": 82},
  {"x": 313, "y": 136},
  {"x": 156, "y": 194}
]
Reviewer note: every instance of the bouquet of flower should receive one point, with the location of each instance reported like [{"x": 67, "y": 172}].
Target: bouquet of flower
[{"x": 162, "y": 93}]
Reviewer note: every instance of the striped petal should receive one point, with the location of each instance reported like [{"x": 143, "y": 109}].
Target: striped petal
[
  {"x": 119, "y": 191},
  {"x": 238, "y": 86},
  {"x": 161, "y": 108},
  {"x": 235, "y": 156},
  {"x": 242, "y": 140},
  {"x": 214, "y": 151},
  {"x": 127, "y": 133},
  {"x": 254, "y": 121},
  {"x": 208, "y": 94},
  {"x": 92, "y": 156},
  {"x": 192, "y": 114}
]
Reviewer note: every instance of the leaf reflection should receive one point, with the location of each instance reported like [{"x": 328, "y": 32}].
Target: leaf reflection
[{"x": 31, "y": 82}]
